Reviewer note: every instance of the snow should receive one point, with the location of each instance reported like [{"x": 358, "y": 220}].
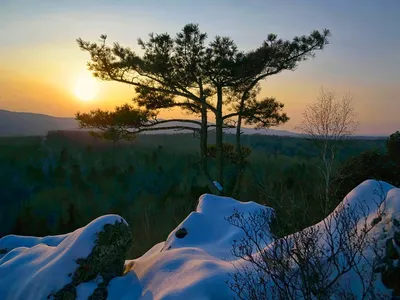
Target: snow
[
  {"x": 217, "y": 185},
  {"x": 33, "y": 269},
  {"x": 12, "y": 241},
  {"x": 84, "y": 290},
  {"x": 193, "y": 267}
]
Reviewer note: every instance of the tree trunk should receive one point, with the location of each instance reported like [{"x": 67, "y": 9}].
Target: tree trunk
[
  {"x": 203, "y": 144},
  {"x": 327, "y": 176},
  {"x": 240, "y": 159},
  {"x": 219, "y": 139},
  {"x": 203, "y": 138}
]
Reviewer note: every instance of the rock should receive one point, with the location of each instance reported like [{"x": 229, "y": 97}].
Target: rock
[
  {"x": 181, "y": 233},
  {"x": 100, "y": 293},
  {"x": 68, "y": 292},
  {"x": 107, "y": 260},
  {"x": 391, "y": 279},
  {"x": 391, "y": 251},
  {"x": 128, "y": 267},
  {"x": 390, "y": 270},
  {"x": 397, "y": 238}
]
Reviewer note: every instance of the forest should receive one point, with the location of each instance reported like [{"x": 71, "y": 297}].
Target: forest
[{"x": 60, "y": 184}]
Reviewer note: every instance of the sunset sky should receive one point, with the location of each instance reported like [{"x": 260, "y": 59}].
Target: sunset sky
[{"x": 41, "y": 64}]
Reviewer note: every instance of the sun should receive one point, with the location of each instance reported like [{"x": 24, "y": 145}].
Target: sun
[{"x": 86, "y": 88}]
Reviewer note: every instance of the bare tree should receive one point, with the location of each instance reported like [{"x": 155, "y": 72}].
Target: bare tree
[
  {"x": 312, "y": 263},
  {"x": 327, "y": 121}
]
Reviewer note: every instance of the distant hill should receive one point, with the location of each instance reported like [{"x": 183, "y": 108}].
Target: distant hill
[
  {"x": 248, "y": 131},
  {"x": 31, "y": 124},
  {"x": 28, "y": 124}
]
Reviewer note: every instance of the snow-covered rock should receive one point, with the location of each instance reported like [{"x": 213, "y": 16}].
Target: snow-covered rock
[
  {"x": 193, "y": 263},
  {"x": 376, "y": 206},
  {"x": 36, "y": 268},
  {"x": 193, "y": 267}
]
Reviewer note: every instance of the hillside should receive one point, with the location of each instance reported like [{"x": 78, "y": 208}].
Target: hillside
[{"x": 28, "y": 124}]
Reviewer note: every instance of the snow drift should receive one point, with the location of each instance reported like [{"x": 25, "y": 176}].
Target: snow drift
[{"x": 194, "y": 262}]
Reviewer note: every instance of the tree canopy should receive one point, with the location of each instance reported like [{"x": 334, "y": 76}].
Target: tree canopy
[
  {"x": 184, "y": 72},
  {"x": 183, "y": 66},
  {"x": 393, "y": 147}
]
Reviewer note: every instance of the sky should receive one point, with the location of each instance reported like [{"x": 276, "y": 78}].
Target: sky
[{"x": 41, "y": 63}]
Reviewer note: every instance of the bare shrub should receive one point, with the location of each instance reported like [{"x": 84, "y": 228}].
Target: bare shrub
[
  {"x": 319, "y": 262},
  {"x": 327, "y": 121}
]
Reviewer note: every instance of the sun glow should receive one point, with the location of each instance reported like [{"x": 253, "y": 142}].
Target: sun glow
[{"x": 86, "y": 88}]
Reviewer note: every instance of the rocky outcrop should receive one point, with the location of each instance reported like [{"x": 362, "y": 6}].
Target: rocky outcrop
[{"x": 106, "y": 261}]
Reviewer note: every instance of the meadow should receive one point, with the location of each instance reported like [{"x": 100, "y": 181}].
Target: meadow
[{"x": 57, "y": 185}]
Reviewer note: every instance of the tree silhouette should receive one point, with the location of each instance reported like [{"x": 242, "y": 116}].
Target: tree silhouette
[
  {"x": 183, "y": 72},
  {"x": 393, "y": 147}
]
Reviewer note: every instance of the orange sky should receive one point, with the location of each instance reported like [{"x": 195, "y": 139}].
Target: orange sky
[{"x": 40, "y": 61}]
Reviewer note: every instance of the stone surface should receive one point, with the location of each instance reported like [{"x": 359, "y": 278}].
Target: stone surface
[
  {"x": 181, "y": 233},
  {"x": 106, "y": 260}
]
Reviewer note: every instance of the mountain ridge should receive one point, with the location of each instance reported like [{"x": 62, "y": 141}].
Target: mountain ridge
[
  {"x": 14, "y": 123},
  {"x": 27, "y": 124}
]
